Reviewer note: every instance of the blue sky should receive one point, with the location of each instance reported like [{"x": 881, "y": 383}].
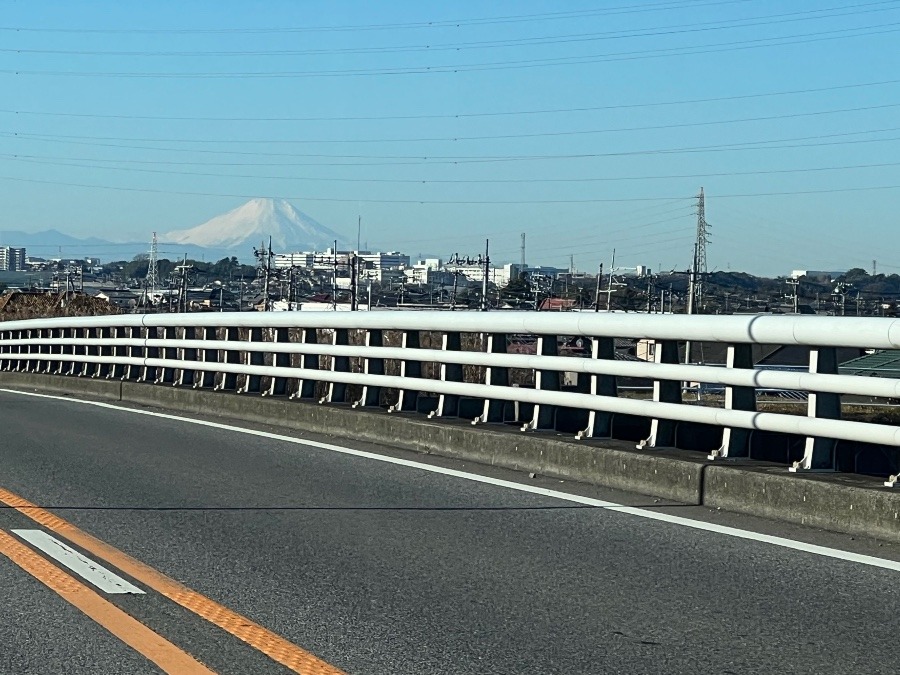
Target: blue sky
[{"x": 586, "y": 125}]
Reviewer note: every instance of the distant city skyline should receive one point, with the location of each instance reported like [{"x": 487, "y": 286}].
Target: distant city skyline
[{"x": 588, "y": 128}]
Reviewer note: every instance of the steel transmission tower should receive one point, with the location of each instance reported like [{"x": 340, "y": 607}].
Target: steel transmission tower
[
  {"x": 153, "y": 267},
  {"x": 699, "y": 268}
]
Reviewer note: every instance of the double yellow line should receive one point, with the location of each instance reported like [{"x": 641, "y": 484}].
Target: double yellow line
[{"x": 153, "y": 646}]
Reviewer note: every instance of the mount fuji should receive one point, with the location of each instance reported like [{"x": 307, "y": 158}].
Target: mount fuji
[{"x": 253, "y": 223}]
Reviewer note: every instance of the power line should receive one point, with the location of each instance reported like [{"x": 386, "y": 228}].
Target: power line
[
  {"x": 99, "y": 163},
  {"x": 444, "y": 23},
  {"x": 757, "y": 43},
  {"x": 464, "y": 115},
  {"x": 657, "y": 31},
  {"x": 471, "y": 159},
  {"x": 466, "y": 202},
  {"x": 454, "y": 139}
]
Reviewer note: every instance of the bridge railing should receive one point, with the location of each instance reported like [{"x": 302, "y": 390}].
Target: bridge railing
[{"x": 310, "y": 355}]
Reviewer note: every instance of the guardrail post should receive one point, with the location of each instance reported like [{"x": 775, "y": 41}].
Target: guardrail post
[
  {"x": 228, "y": 381},
  {"x": 544, "y": 416},
  {"x": 818, "y": 455},
  {"x": 167, "y": 375},
  {"x": 188, "y": 354},
  {"x": 306, "y": 387},
  {"x": 278, "y": 385},
  {"x": 48, "y": 349},
  {"x": 371, "y": 366},
  {"x": 407, "y": 399},
  {"x": 103, "y": 369},
  {"x": 599, "y": 423},
  {"x": 131, "y": 371},
  {"x": 736, "y": 442},
  {"x": 253, "y": 383},
  {"x": 206, "y": 379},
  {"x": 66, "y": 367},
  {"x": 117, "y": 370},
  {"x": 148, "y": 373},
  {"x": 448, "y": 404},
  {"x": 498, "y": 376},
  {"x": 662, "y": 432},
  {"x": 31, "y": 366},
  {"x": 337, "y": 391},
  {"x": 55, "y": 367},
  {"x": 84, "y": 366},
  {"x": 5, "y": 350}
]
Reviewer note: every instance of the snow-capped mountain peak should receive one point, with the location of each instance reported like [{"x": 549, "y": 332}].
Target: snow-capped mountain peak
[{"x": 253, "y": 223}]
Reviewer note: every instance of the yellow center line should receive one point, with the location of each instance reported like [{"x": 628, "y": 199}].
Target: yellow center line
[
  {"x": 125, "y": 627},
  {"x": 262, "y": 639}
]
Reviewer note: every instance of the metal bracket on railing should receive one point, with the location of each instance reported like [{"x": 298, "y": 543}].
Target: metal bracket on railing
[
  {"x": 662, "y": 431},
  {"x": 371, "y": 366},
  {"x": 306, "y": 388},
  {"x": 498, "y": 376},
  {"x": 336, "y": 392},
  {"x": 736, "y": 442},
  {"x": 448, "y": 404},
  {"x": 818, "y": 454},
  {"x": 599, "y": 424},
  {"x": 544, "y": 416},
  {"x": 407, "y": 399}
]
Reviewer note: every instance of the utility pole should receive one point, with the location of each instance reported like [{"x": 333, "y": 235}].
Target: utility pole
[
  {"x": 358, "y": 232},
  {"x": 264, "y": 269},
  {"x": 692, "y": 283},
  {"x": 484, "y": 262},
  {"x": 484, "y": 281},
  {"x": 354, "y": 273},
  {"x": 182, "y": 270},
  {"x": 334, "y": 271},
  {"x": 597, "y": 292},
  {"x": 690, "y": 300},
  {"x": 795, "y": 295},
  {"x": 609, "y": 286}
]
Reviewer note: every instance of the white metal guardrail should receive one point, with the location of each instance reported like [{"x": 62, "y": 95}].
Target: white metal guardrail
[{"x": 286, "y": 354}]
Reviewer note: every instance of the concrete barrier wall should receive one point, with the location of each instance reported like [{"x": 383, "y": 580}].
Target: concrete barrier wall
[{"x": 839, "y": 502}]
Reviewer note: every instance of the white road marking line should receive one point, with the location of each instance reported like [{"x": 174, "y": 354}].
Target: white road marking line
[
  {"x": 783, "y": 542},
  {"x": 87, "y": 569}
]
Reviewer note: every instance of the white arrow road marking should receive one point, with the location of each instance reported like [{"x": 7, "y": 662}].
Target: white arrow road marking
[{"x": 87, "y": 569}]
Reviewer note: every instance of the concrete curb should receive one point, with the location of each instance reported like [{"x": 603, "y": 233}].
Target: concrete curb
[{"x": 839, "y": 502}]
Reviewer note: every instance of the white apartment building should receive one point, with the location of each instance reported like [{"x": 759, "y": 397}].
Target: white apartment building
[
  {"x": 12, "y": 259},
  {"x": 323, "y": 260}
]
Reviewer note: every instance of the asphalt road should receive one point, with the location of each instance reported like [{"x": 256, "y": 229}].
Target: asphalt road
[{"x": 380, "y": 568}]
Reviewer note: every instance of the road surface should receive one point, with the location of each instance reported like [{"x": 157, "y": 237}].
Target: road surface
[{"x": 302, "y": 556}]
